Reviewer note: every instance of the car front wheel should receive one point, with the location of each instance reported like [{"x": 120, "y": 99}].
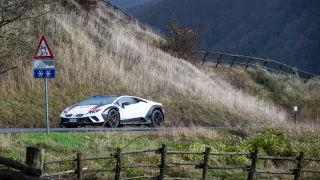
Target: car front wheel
[
  {"x": 113, "y": 119},
  {"x": 157, "y": 118}
]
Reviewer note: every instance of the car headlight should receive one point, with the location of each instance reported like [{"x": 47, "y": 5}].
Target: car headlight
[{"x": 94, "y": 110}]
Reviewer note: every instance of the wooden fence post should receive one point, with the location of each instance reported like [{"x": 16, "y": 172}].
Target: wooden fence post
[
  {"x": 219, "y": 59},
  {"x": 205, "y": 163},
  {"x": 205, "y": 57},
  {"x": 35, "y": 157},
  {"x": 163, "y": 162},
  {"x": 118, "y": 165},
  {"x": 248, "y": 63},
  {"x": 79, "y": 166},
  {"x": 297, "y": 172},
  {"x": 234, "y": 59},
  {"x": 309, "y": 76},
  {"x": 265, "y": 63},
  {"x": 253, "y": 166},
  {"x": 295, "y": 71},
  {"x": 280, "y": 68}
]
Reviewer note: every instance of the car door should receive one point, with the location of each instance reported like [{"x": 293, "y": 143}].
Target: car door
[{"x": 128, "y": 108}]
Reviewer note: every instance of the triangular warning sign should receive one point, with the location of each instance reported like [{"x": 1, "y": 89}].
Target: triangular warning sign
[{"x": 43, "y": 50}]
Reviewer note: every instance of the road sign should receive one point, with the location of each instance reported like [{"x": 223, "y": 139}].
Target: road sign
[
  {"x": 44, "y": 68},
  {"x": 43, "y": 64},
  {"x": 44, "y": 73},
  {"x": 43, "y": 50}
]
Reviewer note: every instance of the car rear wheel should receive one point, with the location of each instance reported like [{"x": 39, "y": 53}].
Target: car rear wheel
[
  {"x": 113, "y": 119},
  {"x": 157, "y": 118}
]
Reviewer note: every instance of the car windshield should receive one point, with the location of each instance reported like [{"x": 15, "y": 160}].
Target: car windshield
[{"x": 98, "y": 100}]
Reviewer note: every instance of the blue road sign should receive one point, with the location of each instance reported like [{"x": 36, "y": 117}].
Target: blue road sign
[{"x": 44, "y": 73}]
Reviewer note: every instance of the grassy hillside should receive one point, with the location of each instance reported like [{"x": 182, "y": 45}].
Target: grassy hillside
[{"x": 101, "y": 53}]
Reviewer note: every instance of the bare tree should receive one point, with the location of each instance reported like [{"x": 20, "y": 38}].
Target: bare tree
[
  {"x": 17, "y": 10},
  {"x": 14, "y": 11},
  {"x": 181, "y": 41},
  {"x": 87, "y": 5}
]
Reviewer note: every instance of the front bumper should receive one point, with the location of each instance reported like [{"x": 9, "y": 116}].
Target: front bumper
[{"x": 74, "y": 122}]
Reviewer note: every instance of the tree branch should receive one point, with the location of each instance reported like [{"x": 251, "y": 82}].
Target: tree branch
[
  {"x": 20, "y": 10},
  {"x": 3, "y": 72}
]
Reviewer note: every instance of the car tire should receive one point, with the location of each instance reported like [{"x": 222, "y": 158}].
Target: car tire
[
  {"x": 113, "y": 119},
  {"x": 157, "y": 118}
]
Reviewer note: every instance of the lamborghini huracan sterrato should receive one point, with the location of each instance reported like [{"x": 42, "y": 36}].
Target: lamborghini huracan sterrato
[{"x": 112, "y": 111}]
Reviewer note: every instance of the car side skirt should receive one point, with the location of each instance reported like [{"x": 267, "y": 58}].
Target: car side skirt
[{"x": 135, "y": 121}]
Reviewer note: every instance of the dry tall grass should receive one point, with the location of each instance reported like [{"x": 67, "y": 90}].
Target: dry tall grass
[{"x": 102, "y": 53}]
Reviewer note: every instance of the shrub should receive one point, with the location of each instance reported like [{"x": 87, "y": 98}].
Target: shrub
[
  {"x": 87, "y": 5},
  {"x": 274, "y": 142},
  {"x": 181, "y": 42}
]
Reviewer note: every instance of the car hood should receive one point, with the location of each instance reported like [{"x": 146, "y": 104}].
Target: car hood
[{"x": 81, "y": 109}]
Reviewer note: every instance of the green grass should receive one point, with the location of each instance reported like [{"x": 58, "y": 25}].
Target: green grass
[{"x": 66, "y": 145}]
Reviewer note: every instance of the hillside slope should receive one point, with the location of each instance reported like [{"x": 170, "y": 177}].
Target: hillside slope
[
  {"x": 103, "y": 54},
  {"x": 283, "y": 30}
]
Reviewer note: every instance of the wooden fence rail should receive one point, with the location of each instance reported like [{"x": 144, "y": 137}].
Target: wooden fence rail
[
  {"x": 254, "y": 62},
  {"x": 119, "y": 168}
]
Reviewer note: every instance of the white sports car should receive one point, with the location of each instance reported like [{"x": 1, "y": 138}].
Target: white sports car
[{"x": 112, "y": 111}]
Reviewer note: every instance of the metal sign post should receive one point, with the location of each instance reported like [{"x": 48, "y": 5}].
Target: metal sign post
[
  {"x": 44, "y": 68},
  {"x": 47, "y": 104}
]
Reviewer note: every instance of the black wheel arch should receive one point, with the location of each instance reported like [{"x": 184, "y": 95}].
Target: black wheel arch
[
  {"x": 108, "y": 109},
  {"x": 154, "y": 107}
]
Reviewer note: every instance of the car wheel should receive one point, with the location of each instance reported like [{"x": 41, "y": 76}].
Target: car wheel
[
  {"x": 113, "y": 119},
  {"x": 157, "y": 118}
]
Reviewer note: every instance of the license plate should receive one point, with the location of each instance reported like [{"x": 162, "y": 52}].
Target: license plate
[{"x": 73, "y": 120}]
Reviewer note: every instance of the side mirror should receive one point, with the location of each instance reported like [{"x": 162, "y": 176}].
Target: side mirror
[{"x": 123, "y": 105}]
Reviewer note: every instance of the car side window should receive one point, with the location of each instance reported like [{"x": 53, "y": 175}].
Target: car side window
[
  {"x": 125, "y": 99},
  {"x": 139, "y": 100}
]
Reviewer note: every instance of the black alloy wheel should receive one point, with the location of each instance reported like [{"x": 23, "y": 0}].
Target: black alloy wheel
[
  {"x": 157, "y": 118},
  {"x": 113, "y": 119}
]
